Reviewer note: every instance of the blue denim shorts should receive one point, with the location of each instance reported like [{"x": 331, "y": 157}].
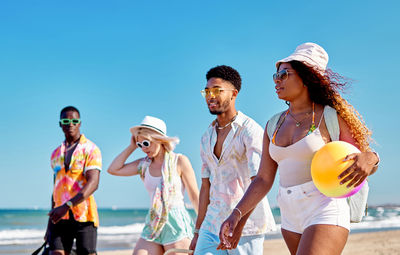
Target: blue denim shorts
[{"x": 208, "y": 242}]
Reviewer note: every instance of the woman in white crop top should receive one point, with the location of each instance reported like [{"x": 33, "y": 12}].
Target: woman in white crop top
[
  {"x": 311, "y": 222},
  {"x": 165, "y": 175}
]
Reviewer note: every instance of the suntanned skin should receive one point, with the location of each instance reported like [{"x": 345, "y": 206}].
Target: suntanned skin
[
  {"x": 72, "y": 135},
  {"x": 316, "y": 239},
  {"x": 156, "y": 153}
]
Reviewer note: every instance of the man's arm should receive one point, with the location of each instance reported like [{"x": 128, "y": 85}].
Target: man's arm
[
  {"x": 92, "y": 177},
  {"x": 204, "y": 201}
]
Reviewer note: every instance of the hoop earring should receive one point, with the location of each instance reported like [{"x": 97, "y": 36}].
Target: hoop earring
[{"x": 287, "y": 102}]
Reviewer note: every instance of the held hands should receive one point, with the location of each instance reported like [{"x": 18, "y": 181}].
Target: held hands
[
  {"x": 362, "y": 167},
  {"x": 230, "y": 232},
  {"x": 57, "y": 213}
]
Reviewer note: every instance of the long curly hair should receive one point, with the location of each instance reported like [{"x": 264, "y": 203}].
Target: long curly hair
[{"x": 324, "y": 89}]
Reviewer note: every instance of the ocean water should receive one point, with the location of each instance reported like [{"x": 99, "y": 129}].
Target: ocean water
[{"x": 22, "y": 230}]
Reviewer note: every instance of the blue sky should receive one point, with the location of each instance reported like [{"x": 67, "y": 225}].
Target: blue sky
[{"x": 117, "y": 61}]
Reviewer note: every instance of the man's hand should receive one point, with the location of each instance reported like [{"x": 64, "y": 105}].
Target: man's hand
[{"x": 57, "y": 213}]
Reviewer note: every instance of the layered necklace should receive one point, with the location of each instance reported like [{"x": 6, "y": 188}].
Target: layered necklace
[
  {"x": 230, "y": 122},
  {"x": 298, "y": 122}
]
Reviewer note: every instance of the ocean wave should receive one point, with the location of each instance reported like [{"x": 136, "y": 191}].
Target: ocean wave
[
  {"x": 379, "y": 218},
  {"x": 116, "y": 230},
  {"x": 21, "y": 236},
  {"x": 371, "y": 222},
  {"x": 35, "y": 236}
]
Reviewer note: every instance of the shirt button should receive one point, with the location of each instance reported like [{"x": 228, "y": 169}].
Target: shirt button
[{"x": 289, "y": 191}]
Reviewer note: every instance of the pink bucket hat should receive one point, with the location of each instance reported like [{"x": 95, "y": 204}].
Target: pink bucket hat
[{"x": 311, "y": 54}]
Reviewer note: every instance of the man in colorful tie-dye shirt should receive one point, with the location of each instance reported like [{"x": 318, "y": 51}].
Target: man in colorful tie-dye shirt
[
  {"x": 231, "y": 153},
  {"x": 76, "y": 164}
]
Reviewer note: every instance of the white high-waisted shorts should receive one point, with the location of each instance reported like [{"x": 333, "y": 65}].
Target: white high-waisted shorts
[{"x": 303, "y": 205}]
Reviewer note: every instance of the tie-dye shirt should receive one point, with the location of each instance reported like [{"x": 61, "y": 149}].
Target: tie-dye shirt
[
  {"x": 86, "y": 156},
  {"x": 230, "y": 175}
]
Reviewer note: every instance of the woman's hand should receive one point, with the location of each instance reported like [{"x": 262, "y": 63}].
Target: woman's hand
[
  {"x": 229, "y": 235},
  {"x": 362, "y": 167},
  {"x": 133, "y": 144},
  {"x": 193, "y": 243}
]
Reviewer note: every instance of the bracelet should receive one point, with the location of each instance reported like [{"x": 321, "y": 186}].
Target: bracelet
[
  {"x": 240, "y": 212},
  {"x": 379, "y": 159},
  {"x": 196, "y": 231}
]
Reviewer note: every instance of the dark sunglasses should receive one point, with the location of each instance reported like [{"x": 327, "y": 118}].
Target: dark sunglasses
[
  {"x": 69, "y": 121},
  {"x": 145, "y": 143},
  {"x": 281, "y": 75}
]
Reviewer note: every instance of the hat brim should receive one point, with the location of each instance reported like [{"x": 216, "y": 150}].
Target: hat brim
[
  {"x": 305, "y": 60},
  {"x": 135, "y": 129},
  {"x": 291, "y": 58}
]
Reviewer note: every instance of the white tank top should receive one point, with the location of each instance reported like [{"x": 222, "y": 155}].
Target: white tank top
[
  {"x": 152, "y": 182},
  {"x": 294, "y": 161}
]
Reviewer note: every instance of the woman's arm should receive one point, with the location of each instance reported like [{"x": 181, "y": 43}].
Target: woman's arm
[
  {"x": 118, "y": 166},
  {"x": 365, "y": 163},
  {"x": 258, "y": 188},
  {"x": 189, "y": 180}
]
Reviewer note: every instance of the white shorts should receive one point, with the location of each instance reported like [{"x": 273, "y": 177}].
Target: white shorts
[{"x": 303, "y": 205}]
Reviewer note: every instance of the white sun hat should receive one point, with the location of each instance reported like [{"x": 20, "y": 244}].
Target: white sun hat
[
  {"x": 311, "y": 54},
  {"x": 152, "y": 123}
]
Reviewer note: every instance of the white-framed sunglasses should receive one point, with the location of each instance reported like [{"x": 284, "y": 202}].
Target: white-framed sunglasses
[{"x": 145, "y": 144}]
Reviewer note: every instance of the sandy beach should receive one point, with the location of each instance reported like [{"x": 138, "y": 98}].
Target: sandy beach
[{"x": 372, "y": 243}]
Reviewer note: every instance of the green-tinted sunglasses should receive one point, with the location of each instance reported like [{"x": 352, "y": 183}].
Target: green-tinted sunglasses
[{"x": 69, "y": 121}]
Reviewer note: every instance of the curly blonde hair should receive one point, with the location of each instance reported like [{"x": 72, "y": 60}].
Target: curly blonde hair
[{"x": 324, "y": 89}]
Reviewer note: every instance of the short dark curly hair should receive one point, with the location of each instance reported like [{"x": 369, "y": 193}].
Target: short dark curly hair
[
  {"x": 69, "y": 108},
  {"x": 226, "y": 73}
]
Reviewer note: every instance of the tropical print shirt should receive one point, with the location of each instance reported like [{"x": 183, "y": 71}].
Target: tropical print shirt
[
  {"x": 230, "y": 175},
  {"x": 67, "y": 184}
]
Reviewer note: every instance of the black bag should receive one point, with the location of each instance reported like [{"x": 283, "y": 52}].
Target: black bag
[{"x": 46, "y": 250}]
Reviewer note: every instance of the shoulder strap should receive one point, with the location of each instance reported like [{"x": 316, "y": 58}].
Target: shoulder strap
[
  {"x": 332, "y": 123},
  {"x": 175, "y": 159},
  {"x": 272, "y": 122}
]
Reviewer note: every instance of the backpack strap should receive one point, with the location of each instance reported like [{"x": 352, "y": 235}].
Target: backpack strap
[
  {"x": 332, "y": 123},
  {"x": 272, "y": 122}
]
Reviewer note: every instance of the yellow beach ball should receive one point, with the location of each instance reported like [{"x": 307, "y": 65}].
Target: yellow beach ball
[{"x": 327, "y": 164}]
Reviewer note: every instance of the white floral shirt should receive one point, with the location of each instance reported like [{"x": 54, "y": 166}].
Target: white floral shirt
[{"x": 230, "y": 175}]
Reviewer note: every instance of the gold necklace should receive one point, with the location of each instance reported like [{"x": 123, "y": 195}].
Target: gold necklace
[
  {"x": 230, "y": 122},
  {"x": 298, "y": 122}
]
